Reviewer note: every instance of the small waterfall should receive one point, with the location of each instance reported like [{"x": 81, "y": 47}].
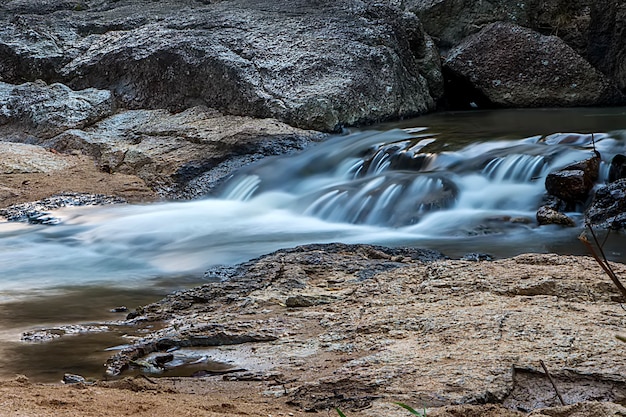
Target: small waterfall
[
  {"x": 516, "y": 168},
  {"x": 397, "y": 178},
  {"x": 398, "y": 187}
]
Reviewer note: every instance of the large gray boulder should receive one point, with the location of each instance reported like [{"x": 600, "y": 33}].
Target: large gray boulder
[
  {"x": 317, "y": 65},
  {"x": 45, "y": 111},
  {"x": 511, "y": 66}
]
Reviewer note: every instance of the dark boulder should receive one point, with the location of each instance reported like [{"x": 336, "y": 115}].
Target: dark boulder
[
  {"x": 450, "y": 21},
  {"x": 573, "y": 183},
  {"x": 608, "y": 208},
  {"x": 512, "y": 66}
]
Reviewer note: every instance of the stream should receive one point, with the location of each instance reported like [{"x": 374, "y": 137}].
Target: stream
[{"x": 467, "y": 182}]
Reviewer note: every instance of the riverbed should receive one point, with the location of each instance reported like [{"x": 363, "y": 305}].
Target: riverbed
[{"x": 461, "y": 183}]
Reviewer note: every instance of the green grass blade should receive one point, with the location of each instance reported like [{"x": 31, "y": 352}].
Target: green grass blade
[
  {"x": 411, "y": 410},
  {"x": 339, "y": 412}
]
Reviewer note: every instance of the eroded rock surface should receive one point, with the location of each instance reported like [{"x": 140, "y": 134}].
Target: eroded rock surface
[
  {"x": 179, "y": 155},
  {"x": 405, "y": 325},
  {"x": 512, "y": 66},
  {"x": 44, "y": 111},
  {"x": 315, "y": 66}
]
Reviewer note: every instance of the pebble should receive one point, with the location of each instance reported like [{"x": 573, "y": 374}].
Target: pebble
[{"x": 73, "y": 379}]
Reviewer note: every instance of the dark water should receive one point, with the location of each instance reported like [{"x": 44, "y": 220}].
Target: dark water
[{"x": 457, "y": 182}]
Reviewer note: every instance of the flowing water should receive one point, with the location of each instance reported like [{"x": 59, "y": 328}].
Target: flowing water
[{"x": 458, "y": 182}]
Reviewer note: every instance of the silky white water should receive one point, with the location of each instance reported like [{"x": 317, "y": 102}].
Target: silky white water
[{"x": 397, "y": 187}]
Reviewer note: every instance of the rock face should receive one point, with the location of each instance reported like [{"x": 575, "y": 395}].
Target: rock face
[
  {"x": 511, "y": 66},
  {"x": 449, "y": 21},
  {"x": 316, "y": 66},
  {"x": 607, "y": 46},
  {"x": 437, "y": 332}
]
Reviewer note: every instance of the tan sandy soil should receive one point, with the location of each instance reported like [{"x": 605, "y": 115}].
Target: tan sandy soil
[
  {"x": 82, "y": 175},
  {"x": 139, "y": 397}
]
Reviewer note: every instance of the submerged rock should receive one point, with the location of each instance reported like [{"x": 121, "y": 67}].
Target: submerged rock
[
  {"x": 548, "y": 215},
  {"x": 73, "y": 379}
]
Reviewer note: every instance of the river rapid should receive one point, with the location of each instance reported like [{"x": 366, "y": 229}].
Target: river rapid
[{"x": 457, "y": 182}]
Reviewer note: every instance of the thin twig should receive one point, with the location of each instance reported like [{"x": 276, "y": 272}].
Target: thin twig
[
  {"x": 147, "y": 379},
  {"x": 558, "y": 394},
  {"x": 603, "y": 262}
]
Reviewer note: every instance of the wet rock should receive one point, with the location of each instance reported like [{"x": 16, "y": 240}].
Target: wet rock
[
  {"x": 37, "y": 212},
  {"x": 548, "y": 215},
  {"x": 315, "y": 66},
  {"x": 45, "y": 111},
  {"x": 573, "y": 183},
  {"x": 477, "y": 257},
  {"x": 608, "y": 208},
  {"x": 307, "y": 300},
  {"x": 73, "y": 379},
  {"x": 511, "y": 66},
  {"x": 120, "y": 309},
  {"x": 48, "y": 334}
]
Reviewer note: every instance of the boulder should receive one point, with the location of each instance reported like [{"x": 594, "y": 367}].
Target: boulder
[
  {"x": 45, "y": 111},
  {"x": 317, "y": 66},
  {"x": 511, "y": 66},
  {"x": 573, "y": 183},
  {"x": 450, "y": 21},
  {"x": 607, "y": 39},
  {"x": 608, "y": 208}
]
